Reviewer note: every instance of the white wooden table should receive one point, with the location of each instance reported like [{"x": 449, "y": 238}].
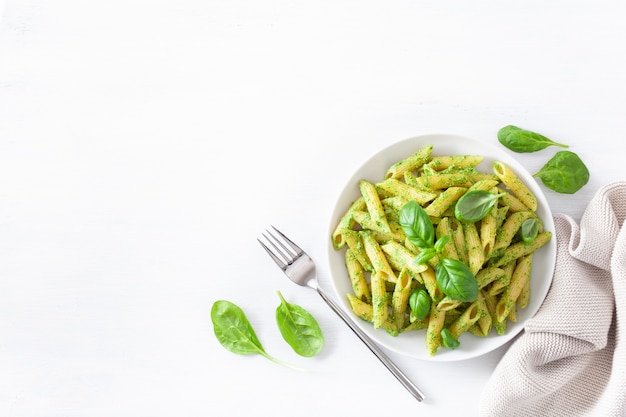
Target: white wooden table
[{"x": 144, "y": 145}]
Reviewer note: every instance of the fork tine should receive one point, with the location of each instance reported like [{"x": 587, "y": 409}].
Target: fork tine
[
  {"x": 276, "y": 259},
  {"x": 296, "y": 248},
  {"x": 288, "y": 254}
]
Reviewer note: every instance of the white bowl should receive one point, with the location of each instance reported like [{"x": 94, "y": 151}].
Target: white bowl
[{"x": 413, "y": 343}]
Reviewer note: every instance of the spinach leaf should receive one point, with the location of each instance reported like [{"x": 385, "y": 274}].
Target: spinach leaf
[
  {"x": 234, "y": 331},
  {"x": 520, "y": 140},
  {"x": 564, "y": 173},
  {"x": 529, "y": 230},
  {"x": 456, "y": 280},
  {"x": 299, "y": 328},
  {"x": 416, "y": 225},
  {"x": 448, "y": 340},
  {"x": 419, "y": 302},
  {"x": 474, "y": 205}
]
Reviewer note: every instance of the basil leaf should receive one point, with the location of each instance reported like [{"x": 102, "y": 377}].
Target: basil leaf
[
  {"x": 419, "y": 302},
  {"x": 448, "y": 340},
  {"x": 234, "y": 331},
  {"x": 456, "y": 280},
  {"x": 441, "y": 243},
  {"x": 520, "y": 140},
  {"x": 424, "y": 256},
  {"x": 299, "y": 328},
  {"x": 529, "y": 230},
  {"x": 564, "y": 173},
  {"x": 416, "y": 225},
  {"x": 474, "y": 205}
]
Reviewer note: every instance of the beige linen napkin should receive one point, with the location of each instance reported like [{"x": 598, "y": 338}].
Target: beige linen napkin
[{"x": 571, "y": 358}]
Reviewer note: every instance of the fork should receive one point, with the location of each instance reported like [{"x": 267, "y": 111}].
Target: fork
[{"x": 300, "y": 268}]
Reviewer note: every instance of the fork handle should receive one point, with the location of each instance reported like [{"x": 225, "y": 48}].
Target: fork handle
[{"x": 404, "y": 380}]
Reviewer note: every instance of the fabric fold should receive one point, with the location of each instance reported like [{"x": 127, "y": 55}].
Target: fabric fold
[{"x": 570, "y": 360}]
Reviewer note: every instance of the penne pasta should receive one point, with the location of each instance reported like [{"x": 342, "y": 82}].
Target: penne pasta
[
  {"x": 357, "y": 277},
  {"x": 518, "y": 280},
  {"x": 474, "y": 249},
  {"x": 433, "y": 331},
  {"x": 400, "y": 297},
  {"x": 378, "y": 259},
  {"x": 373, "y": 204},
  {"x": 440, "y": 163},
  {"x": 517, "y": 187},
  {"x": 444, "y": 201},
  {"x": 385, "y": 259},
  {"x": 398, "y": 188},
  {"x": 412, "y": 162}
]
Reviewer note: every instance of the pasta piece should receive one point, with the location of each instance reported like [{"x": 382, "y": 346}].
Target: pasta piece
[
  {"x": 430, "y": 282},
  {"x": 502, "y": 282},
  {"x": 490, "y": 302},
  {"x": 445, "y": 200},
  {"x": 380, "y": 304},
  {"x": 378, "y": 259},
  {"x": 509, "y": 228},
  {"x": 365, "y": 312},
  {"x": 413, "y": 162},
  {"x": 364, "y": 219},
  {"x": 484, "y": 185},
  {"x": 346, "y": 222},
  {"x": 443, "y": 229},
  {"x": 411, "y": 179},
  {"x": 399, "y": 257},
  {"x": 394, "y": 203},
  {"x": 488, "y": 230},
  {"x": 524, "y": 296},
  {"x": 416, "y": 325},
  {"x": 519, "y": 249},
  {"x": 513, "y": 203},
  {"x": 400, "y": 298},
  {"x": 357, "y": 277},
  {"x": 447, "y": 304},
  {"x": 374, "y": 206},
  {"x": 466, "y": 320},
  {"x": 485, "y": 322},
  {"x": 501, "y": 215},
  {"x": 513, "y": 183},
  {"x": 513, "y": 313},
  {"x": 439, "y": 163},
  {"x": 475, "y": 254},
  {"x": 355, "y": 243},
  {"x": 489, "y": 274},
  {"x": 459, "y": 239},
  {"x": 512, "y": 292},
  {"x": 401, "y": 189},
  {"x": 443, "y": 181},
  {"x": 433, "y": 331}
]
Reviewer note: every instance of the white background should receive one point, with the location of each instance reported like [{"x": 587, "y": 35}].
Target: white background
[{"x": 145, "y": 145}]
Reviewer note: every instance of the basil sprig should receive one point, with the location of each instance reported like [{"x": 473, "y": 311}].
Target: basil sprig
[
  {"x": 299, "y": 328},
  {"x": 564, "y": 173},
  {"x": 453, "y": 277},
  {"x": 521, "y": 140},
  {"x": 474, "y": 205}
]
